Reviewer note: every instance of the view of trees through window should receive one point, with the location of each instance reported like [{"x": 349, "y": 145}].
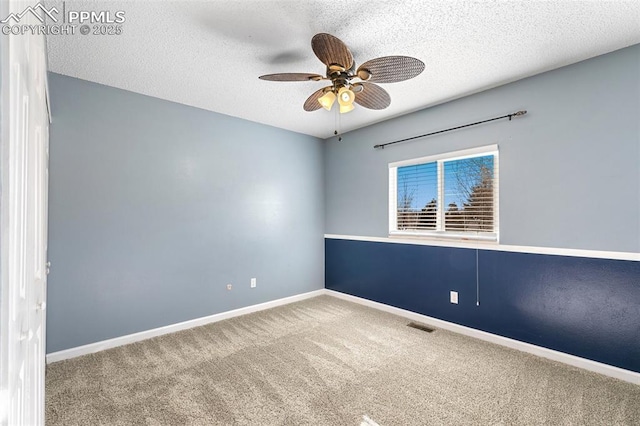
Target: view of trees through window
[{"x": 467, "y": 198}]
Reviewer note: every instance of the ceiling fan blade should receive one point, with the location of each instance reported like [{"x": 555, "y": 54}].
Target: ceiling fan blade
[
  {"x": 372, "y": 96},
  {"x": 331, "y": 50},
  {"x": 312, "y": 104},
  {"x": 391, "y": 69},
  {"x": 291, "y": 76}
]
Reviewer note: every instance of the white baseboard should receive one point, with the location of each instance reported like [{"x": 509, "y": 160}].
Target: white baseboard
[
  {"x": 597, "y": 367},
  {"x": 143, "y": 335},
  {"x": 587, "y": 364}
]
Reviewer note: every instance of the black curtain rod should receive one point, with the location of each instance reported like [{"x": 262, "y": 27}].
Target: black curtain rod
[{"x": 514, "y": 114}]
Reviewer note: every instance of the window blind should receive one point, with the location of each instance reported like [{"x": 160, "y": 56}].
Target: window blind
[{"x": 455, "y": 196}]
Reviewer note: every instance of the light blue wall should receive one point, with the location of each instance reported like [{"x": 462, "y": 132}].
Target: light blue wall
[
  {"x": 155, "y": 206},
  {"x": 569, "y": 169}
]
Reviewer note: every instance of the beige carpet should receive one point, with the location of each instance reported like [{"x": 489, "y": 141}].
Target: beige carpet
[{"x": 325, "y": 361}]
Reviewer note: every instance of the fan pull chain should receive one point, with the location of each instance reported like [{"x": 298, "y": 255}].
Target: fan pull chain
[{"x": 337, "y": 125}]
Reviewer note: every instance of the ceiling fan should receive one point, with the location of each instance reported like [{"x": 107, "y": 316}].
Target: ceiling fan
[{"x": 348, "y": 84}]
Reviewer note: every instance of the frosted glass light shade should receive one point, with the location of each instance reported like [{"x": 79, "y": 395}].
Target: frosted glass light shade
[
  {"x": 346, "y": 108},
  {"x": 345, "y": 99},
  {"x": 345, "y": 96},
  {"x": 327, "y": 100}
]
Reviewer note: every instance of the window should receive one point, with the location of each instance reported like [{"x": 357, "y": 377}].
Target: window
[{"x": 453, "y": 195}]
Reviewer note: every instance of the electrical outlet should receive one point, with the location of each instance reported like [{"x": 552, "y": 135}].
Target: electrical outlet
[
  {"x": 454, "y": 297},
  {"x": 254, "y": 282},
  {"x": 229, "y": 286}
]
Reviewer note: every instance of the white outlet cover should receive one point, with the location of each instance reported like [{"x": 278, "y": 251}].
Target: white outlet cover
[
  {"x": 454, "y": 297},
  {"x": 229, "y": 286},
  {"x": 254, "y": 282}
]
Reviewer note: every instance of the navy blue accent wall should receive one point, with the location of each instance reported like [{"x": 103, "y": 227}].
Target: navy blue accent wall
[{"x": 581, "y": 306}]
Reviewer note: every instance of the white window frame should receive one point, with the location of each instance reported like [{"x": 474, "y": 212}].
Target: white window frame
[{"x": 440, "y": 233}]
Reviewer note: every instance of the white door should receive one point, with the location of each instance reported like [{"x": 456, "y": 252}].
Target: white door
[
  {"x": 23, "y": 237},
  {"x": 37, "y": 189}
]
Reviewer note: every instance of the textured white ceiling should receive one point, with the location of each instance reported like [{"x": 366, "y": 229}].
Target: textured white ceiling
[{"x": 210, "y": 54}]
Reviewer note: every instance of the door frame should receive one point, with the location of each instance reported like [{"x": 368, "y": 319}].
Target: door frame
[{"x": 23, "y": 216}]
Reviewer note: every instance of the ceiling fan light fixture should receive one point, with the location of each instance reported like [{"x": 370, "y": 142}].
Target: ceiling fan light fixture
[
  {"x": 346, "y": 96},
  {"x": 327, "y": 100},
  {"x": 346, "y": 108},
  {"x": 345, "y": 99}
]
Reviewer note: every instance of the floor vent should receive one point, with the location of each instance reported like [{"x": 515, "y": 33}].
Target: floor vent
[{"x": 421, "y": 327}]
